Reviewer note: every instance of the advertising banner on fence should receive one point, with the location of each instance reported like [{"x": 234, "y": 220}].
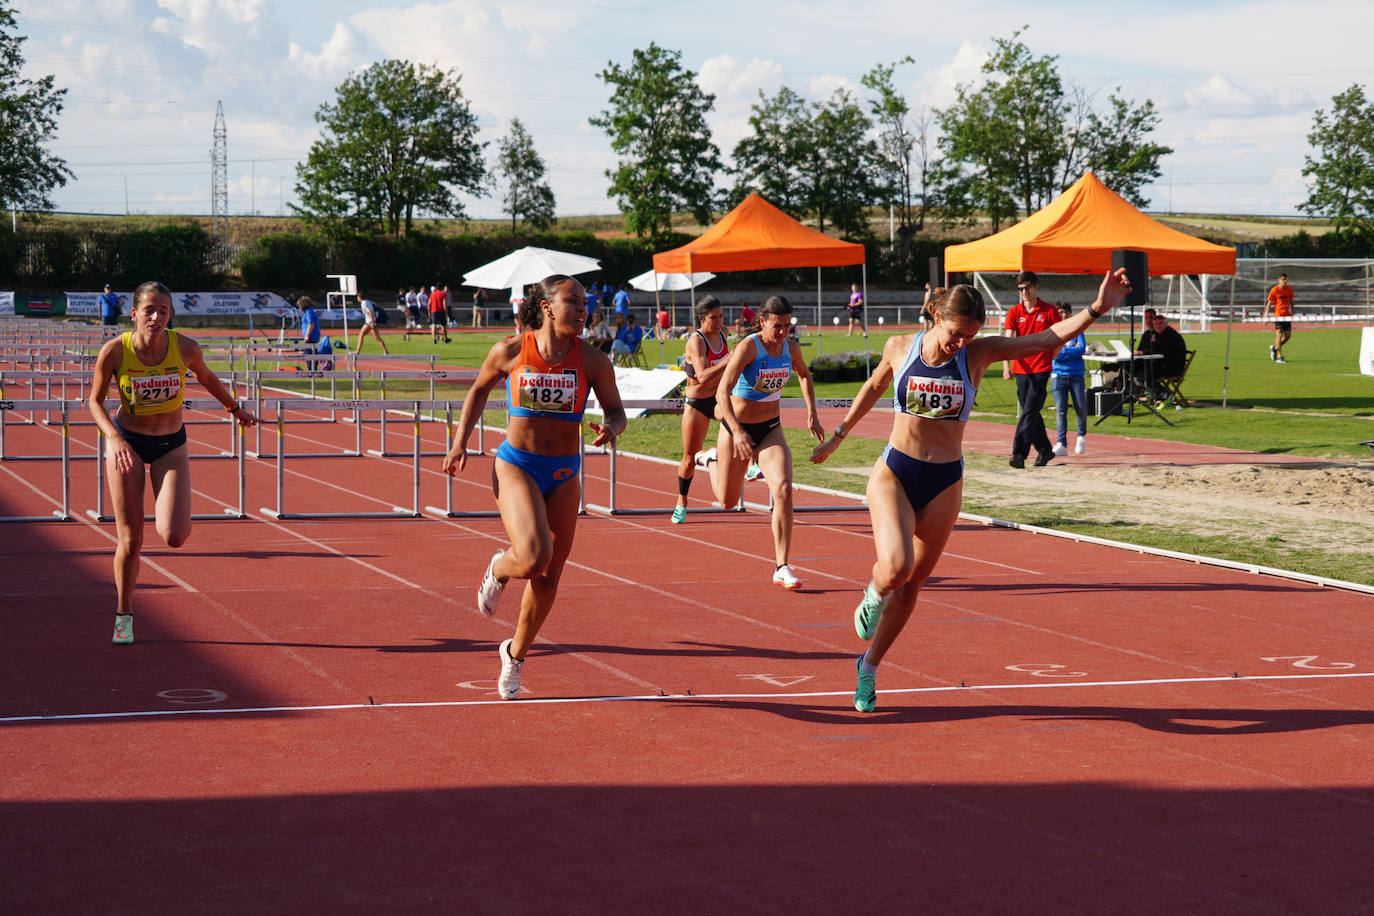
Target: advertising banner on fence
[
  {"x": 6, "y": 303},
  {"x": 264, "y": 304},
  {"x": 43, "y": 304}
]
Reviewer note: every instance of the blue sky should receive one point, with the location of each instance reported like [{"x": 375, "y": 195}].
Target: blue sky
[{"x": 1236, "y": 83}]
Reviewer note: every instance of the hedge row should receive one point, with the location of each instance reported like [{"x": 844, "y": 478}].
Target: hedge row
[{"x": 180, "y": 256}]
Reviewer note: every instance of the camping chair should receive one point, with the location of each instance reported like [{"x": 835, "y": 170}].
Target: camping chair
[
  {"x": 636, "y": 358},
  {"x": 1171, "y": 386}
]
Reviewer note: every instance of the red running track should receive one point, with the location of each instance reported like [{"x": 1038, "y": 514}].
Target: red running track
[{"x": 257, "y": 749}]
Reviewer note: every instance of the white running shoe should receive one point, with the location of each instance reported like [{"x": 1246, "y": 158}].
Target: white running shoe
[
  {"x": 1060, "y": 450},
  {"x": 123, "y": 629},
  {"x": 509, "y": 682},
  {"x": 703, "y": 459},
  {"x": 1081, "y": 446},
  {"x": 784, "y": 576},
  {"x": 489, "y": 592}
]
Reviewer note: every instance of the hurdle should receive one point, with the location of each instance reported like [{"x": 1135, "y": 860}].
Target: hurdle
[
  {"x": 65, "y": 515},
  {"x": 448, "y": 511},
  {"x": 433, "y": 375},
  {"x": 612, "y": 508},
  {"x": 236, "y": 435},
  {"x": 280, "y": 406}
]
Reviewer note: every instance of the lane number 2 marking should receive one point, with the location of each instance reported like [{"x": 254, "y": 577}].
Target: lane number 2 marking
[
  {"x": 1047, "y": 670},
  {"x": 1309, "y": 661}
]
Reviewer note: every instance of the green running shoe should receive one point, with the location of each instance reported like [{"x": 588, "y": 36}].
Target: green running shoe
[
  {"x": 123, "y": 629},
  {"x": 866, "y": 694},
  {"x": 869, "y": 612},
  {"x": 679, "y": 514}
]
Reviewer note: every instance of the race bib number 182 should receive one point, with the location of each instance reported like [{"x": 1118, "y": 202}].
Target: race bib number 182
[{"x": 547, "y": 392}]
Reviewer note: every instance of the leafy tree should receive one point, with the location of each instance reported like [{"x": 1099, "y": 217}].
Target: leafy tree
[
  {"x": 811, "y": 159},
  {"x": 28, "y": 120},
  {"x": 528, "y": 196},
  {"x": 771, "y": 161},
  {"x": 1022, "y": 137},
  {"x": 904, "y": 153},
  {"x": 1341, "y": 177},
  {"x": 657, "y": 126},
  {"x": 399, "y": 139}
]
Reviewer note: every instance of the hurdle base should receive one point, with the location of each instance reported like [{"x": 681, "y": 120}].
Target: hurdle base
[
  {"x": 295, "y": 516},
  {"x": 380, "y": 454},
  {"x": 445, "y": 513}
]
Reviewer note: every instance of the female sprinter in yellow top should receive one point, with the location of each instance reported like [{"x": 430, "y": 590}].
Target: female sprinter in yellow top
[
  {"x": 548, "y": 372},
  {"x": 916, "y": 487},
  {"x": 149, "y": 365}
]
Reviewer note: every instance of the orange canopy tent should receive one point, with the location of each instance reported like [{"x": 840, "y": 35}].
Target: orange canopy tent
[
  {"x": 1077, "y": 233},
  {"x": 755, "y": 236}
]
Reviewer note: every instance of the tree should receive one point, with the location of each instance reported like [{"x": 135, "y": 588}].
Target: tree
[
  {"x": 656, "y": 123},
  {"x": 1022, "y": 137},
  {"x": 903, "y": 151},
  {"x": 399, "y": 139},
  {"x": 1341, "y": 177},
  {"x": 811, "y": 159},
  {"x": 528, "y": 196},
  {"x": 28, "y": 119}
]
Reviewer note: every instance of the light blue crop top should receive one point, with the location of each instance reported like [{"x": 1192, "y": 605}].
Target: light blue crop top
[{"x": 764, "y": 378}]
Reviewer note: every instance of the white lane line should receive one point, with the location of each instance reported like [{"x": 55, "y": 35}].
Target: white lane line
[{"x": 650, "y": 698}]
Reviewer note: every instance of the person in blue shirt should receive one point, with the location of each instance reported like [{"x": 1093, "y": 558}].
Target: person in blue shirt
[
  {"x": 109, "y": 308},
  {"x": 310, "y": 321},
  {"x": 627, "y": 339},
  {"x": 1066, "y": 381},
  {"x": 593, "y": 302},
  {"x": 622, "y": 300}
]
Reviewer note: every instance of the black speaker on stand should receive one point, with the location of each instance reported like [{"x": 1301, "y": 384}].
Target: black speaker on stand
[{"x": 937, "y": 272}]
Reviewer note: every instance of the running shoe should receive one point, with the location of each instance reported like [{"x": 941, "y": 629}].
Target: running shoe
[
  {"x": 1060, "y": 450},
  {"x": 784, "y": 576},
  {"x": 509, "y": 682},
  {"x": 869, "y": 611},
  {"x": 753, "y": 473},
  {"x": 1273, "y": 353},
  {"x": 123, "y": 629},
  {"x": 1081, "y": 446},
  {"x": 1280, "y": 359},
  {"x": 703, "y": 459},
  {"x": 866, "y": 694},
  {"x": 489, "y": 592},
  {"x": 679, "y": 514}
]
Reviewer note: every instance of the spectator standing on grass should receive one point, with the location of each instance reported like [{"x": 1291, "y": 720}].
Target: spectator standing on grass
[
  {"x": 1281, "y": 298},
  {"x": 856, "y": 310},
  {"x": 1030, "y": 316},
  {"x": 593, "y": 300},
  {"x": 1066, "y": 380},
  {"x": 622, "y": 300},
  {"x": 401, "y": 305},
  {"x": 310, "y": 323},
  {"x": 438, "y": 314},
  {"x": 109, "y": 308},
  {"x": 479, "y": 306},
  {"x": 916, "y": 488}
]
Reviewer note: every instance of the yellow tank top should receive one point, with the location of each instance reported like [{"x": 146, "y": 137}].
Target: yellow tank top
[{"x": 151, "y": 389}]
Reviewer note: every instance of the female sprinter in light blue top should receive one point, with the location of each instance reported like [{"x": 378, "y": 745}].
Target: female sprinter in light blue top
[
  {"x": 916, "y": 487},
  {"x": 548, "y": 371},
  {"x": 747, "y": 405}
]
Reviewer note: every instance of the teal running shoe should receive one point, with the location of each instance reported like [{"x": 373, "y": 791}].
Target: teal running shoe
[
  {"x": 869, "y": 611},
  {"x": 679, "y": 514},
  {"x": 866, "y": 694},
  {"x": 753, "y": 472}
]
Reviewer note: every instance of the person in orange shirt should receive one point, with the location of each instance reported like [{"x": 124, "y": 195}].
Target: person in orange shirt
[{"x": 1281, "y": 298}]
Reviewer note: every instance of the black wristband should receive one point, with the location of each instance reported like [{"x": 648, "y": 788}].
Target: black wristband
[{"x": 1096, "y": 314}]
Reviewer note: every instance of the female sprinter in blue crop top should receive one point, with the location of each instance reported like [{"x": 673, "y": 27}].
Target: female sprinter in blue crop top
[
  {"x": 149, "y": 365},
  {"x": 751, "y": 423},
  {"x": 916, "y": 486},
  {"x": 548, "y": 372}
]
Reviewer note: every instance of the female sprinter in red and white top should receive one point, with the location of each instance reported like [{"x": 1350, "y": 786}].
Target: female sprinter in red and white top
[
  {"x": 149, "y": 365},
  {"x": 548, "y": 372},
  {"x": 916, "y": 487},
  {"x": 707, "y": 350}
]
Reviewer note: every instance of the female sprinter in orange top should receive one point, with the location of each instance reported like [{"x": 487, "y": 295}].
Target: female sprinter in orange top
[
  {"x": 707, "y": 350},
  {"x": 548, "y": 371},
  {"x": 149, "y": 365},
  {"x": 916, "y": 487}
]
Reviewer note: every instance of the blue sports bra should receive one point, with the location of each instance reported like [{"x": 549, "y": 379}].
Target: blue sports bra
[{"x": 933, "y": 392}]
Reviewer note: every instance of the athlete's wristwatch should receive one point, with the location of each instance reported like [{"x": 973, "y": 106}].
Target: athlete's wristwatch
[{"x": 839, "y": 431}]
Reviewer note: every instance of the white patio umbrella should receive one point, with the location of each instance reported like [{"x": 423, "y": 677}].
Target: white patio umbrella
[
  {"x": 671, "y": 282},
  {"x": 528, "y": 265},
  {"x": 651, "y": 281}
]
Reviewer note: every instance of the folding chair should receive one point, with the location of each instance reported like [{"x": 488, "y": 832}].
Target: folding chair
[
  {"x": 1172, "y": 386},
  {"x": 636, "y": 358}
]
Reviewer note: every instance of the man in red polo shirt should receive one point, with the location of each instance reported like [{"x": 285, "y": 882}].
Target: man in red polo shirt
[{"x": 1030, "y": 316}]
